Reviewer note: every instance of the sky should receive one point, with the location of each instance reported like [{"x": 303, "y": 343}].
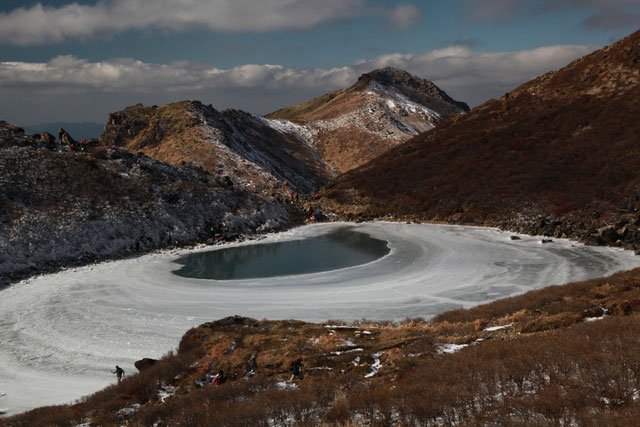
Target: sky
[{"x": 77, "y": 61}]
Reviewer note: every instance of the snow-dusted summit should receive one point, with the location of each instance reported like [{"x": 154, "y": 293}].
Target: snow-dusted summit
[{"x": 384, "y": 108}]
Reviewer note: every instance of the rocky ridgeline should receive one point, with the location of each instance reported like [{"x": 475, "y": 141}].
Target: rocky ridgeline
[
  {"x": 62, "y": 208},
  {"x": 624, "y": 233},
  {"x": 14, "y": 136},
  {"x": 240, "y": 145}
]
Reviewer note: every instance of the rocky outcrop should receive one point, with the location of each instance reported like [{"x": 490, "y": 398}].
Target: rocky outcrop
[
  {"x": 625, "y": 233},
  {"x": 14, "y": 136},
  {"x": 144, "y": 364}
]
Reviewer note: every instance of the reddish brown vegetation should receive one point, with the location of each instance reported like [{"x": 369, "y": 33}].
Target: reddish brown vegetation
[{"x": 563, "y": 147}]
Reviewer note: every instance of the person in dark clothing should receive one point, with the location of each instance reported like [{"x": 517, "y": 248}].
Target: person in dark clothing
[
  {"x": 119, "y": 373},
  {"x": 220, "y": 378},
  {"x": 295, "y": 367},
  {"x": 48, "y": 139}
]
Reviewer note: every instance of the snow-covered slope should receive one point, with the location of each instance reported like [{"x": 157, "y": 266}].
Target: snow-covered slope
[{"x": 61, "y": 208}]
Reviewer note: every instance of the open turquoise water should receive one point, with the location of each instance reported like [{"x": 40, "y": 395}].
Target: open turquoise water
[{"x": 338, "y": 249}]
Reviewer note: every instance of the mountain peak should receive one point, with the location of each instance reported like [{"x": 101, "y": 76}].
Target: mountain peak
[
  {"x": 384, "y": 108},
  {"x": 389, "y": 76},
  {"x": 417, "y": 89}
]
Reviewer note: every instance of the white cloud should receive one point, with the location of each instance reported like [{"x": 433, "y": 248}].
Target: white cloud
[
  {"x": 45, "y": 24},
  {"x": 467, "y": 75},
  {"x": 404, "y": 16},
  {"x": 136, "y": 76},
  {"x": 476, "y": 76}
]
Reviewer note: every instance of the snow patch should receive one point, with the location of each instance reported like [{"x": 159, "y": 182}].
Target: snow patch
[
  {"x": 348, "y": 342},
  {"x": 451, "y": 348},
  {"x": 497, "y": 328},
  {"x": 377, "y": 364},
  {"x": 353, "y": 350},
  {"x": 284, "y": 385},
  {"x": 129, "y": 411},
  {"x": 166, "y": 391}
]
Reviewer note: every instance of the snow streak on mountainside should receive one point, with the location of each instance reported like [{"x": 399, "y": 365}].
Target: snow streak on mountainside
[
  {"x": 383, "y": 109},
  {"x": 231, "y": 143}
]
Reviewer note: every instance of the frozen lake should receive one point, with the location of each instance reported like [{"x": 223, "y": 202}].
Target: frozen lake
[
  {"x": 62, "y": 334},
  {"x": 335, "y": 250}
]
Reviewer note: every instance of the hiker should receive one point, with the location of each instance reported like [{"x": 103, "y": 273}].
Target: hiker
[
  {"x": 219, "y": 379},
  {"x": 66, "y": 139},
  {"x": 119, "y": 373},
  {"x": 294, "y": 367},
  {"x": 49, "y": 140}
]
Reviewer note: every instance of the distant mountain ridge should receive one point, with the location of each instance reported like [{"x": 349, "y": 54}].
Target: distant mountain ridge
[
  {"x": 382, "y": 109},
  {"x": 557, "y": 156},
  {"x": 83, "y": 130},
  {"x": 272, "y": 155}
]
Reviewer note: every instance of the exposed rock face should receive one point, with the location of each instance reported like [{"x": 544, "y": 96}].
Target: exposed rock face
[
  {"x": 61, "y": 208},
  {"x": 244, "y": 147},
  {"x": 562, "y": 148},
  {"x": 384, "y": 108}
]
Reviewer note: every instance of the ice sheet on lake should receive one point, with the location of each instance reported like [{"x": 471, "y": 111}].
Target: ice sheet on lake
[{"x": 63, "y": 334}]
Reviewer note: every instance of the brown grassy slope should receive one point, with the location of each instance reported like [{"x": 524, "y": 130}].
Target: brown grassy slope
[
  {"x": 547, "y": 366},
  {"x": 230, "y": 143},
  {"x": 167, "y": 133},
  {"x": 324, "y": 107},
  {"x": 564, "y": 145}
]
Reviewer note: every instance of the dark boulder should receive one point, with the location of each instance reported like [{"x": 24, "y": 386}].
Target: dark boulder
[
  {"x": 145, "y": 363},
  {"x": 609, "y": 234},
  {"x": 592, "y": 240}
]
